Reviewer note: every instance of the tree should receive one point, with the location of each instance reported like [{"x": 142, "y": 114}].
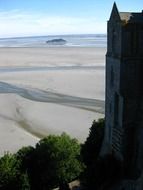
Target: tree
[
  {"x": 11, "y": 176},
  {"x": 56, "y": 162},
  {"x": 25, "y": 159},
  {"x": 9, "y": 173},
  {"x": 90, "y": 153},
  {"x": 24, "y": 156},
  {"x": 91, "y": 148},
  {"x": 100, "y": 172}
]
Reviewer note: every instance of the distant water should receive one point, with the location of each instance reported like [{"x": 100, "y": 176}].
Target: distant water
[{"x": 84, "y": 40}]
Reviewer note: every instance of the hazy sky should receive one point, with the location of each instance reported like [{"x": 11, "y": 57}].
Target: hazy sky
[{"x": 43, "y": 17}]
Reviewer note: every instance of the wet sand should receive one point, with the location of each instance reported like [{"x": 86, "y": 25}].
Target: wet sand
[{"x": 49, "y": 91}]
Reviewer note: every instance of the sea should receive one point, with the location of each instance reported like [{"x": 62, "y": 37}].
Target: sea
[{"x": 83, "y": 40}]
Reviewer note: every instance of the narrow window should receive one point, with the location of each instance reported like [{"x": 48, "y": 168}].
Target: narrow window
[
  {"x": 116, "y": 109},
  {"x": 113, "y": 40},
  {"x": 110, "y": 108},
  {"x": 111, "y": 77}
]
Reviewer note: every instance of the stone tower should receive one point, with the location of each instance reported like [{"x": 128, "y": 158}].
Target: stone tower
[{"x": 124, "y": 90}]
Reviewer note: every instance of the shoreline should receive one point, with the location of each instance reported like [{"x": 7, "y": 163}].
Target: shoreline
[{"x": 48, "y": 68}]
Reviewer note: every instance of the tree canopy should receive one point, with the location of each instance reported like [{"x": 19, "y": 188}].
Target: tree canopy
[
  {"x": 10, "y": 175},
  {"x": 57, "y": 160},
  {"x": 91, "y": 148},
  {"x": 90, "y": 153}
]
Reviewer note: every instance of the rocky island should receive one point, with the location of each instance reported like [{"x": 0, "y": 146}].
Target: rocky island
[{"x": 59, "y": 41}]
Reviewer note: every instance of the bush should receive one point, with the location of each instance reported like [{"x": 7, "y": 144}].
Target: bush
[
  {"x": 54, "y": 162},
  {"x": 8, "y": 171},
  {"x": 90, "y": 154},
  {"x": 99, "y": 171},
  {"x": 91, "y": 148}
]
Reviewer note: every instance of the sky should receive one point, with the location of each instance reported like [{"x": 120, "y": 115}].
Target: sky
[{"x": 56, "y": 17}]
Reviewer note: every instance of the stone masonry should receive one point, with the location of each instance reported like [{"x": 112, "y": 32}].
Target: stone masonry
[{"x": 124, "y": 92}]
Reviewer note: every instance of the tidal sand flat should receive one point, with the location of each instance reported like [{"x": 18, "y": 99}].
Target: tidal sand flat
[{"x": 49, "y": 91}]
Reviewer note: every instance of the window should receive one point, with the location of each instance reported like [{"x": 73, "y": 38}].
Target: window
[
  {"x": 111, "y": 77},
  {"x": 113, "y": 40},
  {"x": 116, "y": 109},
  {"x": 110, "y": 108}
]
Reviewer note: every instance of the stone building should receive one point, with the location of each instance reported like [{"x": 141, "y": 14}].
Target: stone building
[{"x": 124, "y": 91}]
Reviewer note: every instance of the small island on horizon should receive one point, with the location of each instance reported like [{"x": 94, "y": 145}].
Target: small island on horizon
[{"x": 58, "y": 41}]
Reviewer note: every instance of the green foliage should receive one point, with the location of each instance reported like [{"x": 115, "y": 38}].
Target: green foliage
[
  {"x": 91, "y": 148},
  {"x": 56, "y": 161},
  {"x": 25, "y": 185},
  {"x": 99, "y": 171},
  {"x": 63, "y": 154},
  {"x": 90, "y": 153},
  {"x": 24, "y": 156},
  {"x": 9, "y": 173}
]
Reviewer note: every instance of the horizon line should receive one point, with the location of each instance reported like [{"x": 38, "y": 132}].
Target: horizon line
[{"x": 29, "y": 36}]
